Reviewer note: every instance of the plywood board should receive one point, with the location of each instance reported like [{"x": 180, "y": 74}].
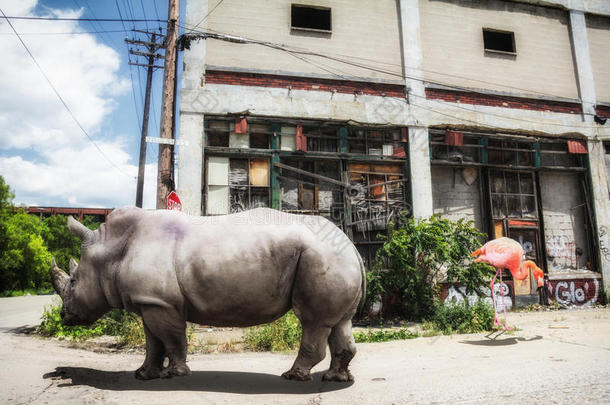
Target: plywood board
[
  {"x": 259, "y": 172},
  {"x": 218, "y": 200},
  {"x": 218, "y": 171},
  {"x": 289, "y": 140}
]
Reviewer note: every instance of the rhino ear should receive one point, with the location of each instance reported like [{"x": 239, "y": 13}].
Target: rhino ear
[
  {"x": 79, "y": 229},
  {"x": 73, "y": 265}
]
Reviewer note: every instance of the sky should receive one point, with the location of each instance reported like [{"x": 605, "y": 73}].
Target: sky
[{"x": 45, "y": 157}]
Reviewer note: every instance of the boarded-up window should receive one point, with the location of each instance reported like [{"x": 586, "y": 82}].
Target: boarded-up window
[
  {"x": 565, "y": 221},
  {"x": 245, "y": 184}
]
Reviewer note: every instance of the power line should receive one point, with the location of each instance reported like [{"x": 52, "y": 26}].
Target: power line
[
  {"x": 80, "y": 19},
  {"x": 389, "y": 72},
  {"x": 64, "y": 33},
  {"x": 60, "y": 97},
  {"x": 241, "y": 40},
  {"x": 207, "y": 15}
]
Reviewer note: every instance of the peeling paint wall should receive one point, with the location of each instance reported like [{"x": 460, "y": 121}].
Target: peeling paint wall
[
  {"x": 453, "y": 197},
  {"x": 543, "y": 61}
]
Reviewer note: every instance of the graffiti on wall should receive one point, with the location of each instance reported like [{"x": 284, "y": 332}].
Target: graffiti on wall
[
  {"x": 583, "y": 292},
  {"x": 604, "y": 243},
  {"x": 561, "y": 253},
  {"x": 458, "y": 294}
]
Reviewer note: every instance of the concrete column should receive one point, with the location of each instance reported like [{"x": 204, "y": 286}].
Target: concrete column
[
  {"x": 421, "y": 177},
  {"x": 601, "y": 206},
  {"x": 584, "y": 70},
  {"x": 597, "y": 163},
  {"x": 190, "y": 156},
  {"x": 419, "y": 152}
]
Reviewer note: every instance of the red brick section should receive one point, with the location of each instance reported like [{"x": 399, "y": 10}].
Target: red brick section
[
  {"x": 520, "y": 103},
  {"x": 304, "y": 83},
  {"x": 603, "y": 111}
]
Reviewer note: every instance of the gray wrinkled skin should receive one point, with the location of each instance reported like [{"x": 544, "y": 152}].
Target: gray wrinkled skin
[{"x": 235, "y": 270}]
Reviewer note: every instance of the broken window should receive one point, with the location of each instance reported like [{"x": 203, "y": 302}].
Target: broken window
[
  {"x": 554, "y": 153},
  {"x": 321, "y": 138},
  {"x": 513, "y": 194},
  {"x": 510, "y": 153},
  {"x": 378, "y": 142},
  {"x": 311, "y": 194},
  {"x": 499, "y": 41},
  {"x": 380, "y": 194},
  {"x": 259, "y": 136},
  {"x": 310, "y": 18},
  {"x": 463, "y": 149},
  {"x": 217, "y": 133},
  {"x": 248, "y": 183}
]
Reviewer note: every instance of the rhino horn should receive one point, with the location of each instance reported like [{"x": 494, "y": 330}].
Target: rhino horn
[
  {"x": 59, "y": 278},
  {"x": 79, "y": 229},
  {"x": 73, "y": 265}
]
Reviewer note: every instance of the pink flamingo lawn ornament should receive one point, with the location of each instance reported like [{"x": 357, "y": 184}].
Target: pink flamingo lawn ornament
[{"x": 505, "y": 253}]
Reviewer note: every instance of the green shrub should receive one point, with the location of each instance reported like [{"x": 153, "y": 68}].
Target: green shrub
[
  {"x": 52, "y": 326},
  {"x": 281, "y": 335},
  {"x": 463, "y": 318},
  {"x": 383, "y": 335},
  {"x": 125, "y": 325},
  {"x": 415, "y": 256}
]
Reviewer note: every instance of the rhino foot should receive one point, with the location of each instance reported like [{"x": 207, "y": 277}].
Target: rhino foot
[
  {"x": 338, "y": 375},
  {"x": 147, "y": 373},
  {"x": 297, "y": 375},
  {"x": 175, "y": 371}
]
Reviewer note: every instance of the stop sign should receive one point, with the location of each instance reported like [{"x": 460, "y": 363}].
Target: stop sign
[{"x": 173, "y": 202}]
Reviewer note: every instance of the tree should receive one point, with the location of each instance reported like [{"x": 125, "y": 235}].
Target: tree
[
  {"x": 24, "y": 259},
  {"x": 60, "y": 241}
]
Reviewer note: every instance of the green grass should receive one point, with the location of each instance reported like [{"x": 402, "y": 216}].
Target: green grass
[
  {"x": 281, "y": 335},
  {"x": 384, "y": 335},
  {"x": 30, "y": 291},
  {"x": 125, "y": 325}
]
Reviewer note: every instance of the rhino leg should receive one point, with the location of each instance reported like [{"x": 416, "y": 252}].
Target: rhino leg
[
  {"x": 169, "y": 327},
  {"x": 311, "y": 352},
  {"x": 155, "y": 353},
  {"x": 342, "y": 350}
]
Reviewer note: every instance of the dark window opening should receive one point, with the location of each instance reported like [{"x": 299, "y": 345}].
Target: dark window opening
[
  {"x": 312, "y": 18},
  {"x": 499, "y": 41}
]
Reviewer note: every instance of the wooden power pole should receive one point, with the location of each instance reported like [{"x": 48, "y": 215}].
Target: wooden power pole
[
  {"x": 165, "y": 183},
  {"x": 152, "y": 47}
]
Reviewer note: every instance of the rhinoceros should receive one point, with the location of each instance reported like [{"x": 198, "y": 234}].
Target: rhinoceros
[{"x": 239, "y": 270}]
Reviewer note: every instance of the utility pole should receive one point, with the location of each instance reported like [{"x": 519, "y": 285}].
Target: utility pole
[
  {"x": 165, "y": 181},
  {"x": 152, "y": 47}
]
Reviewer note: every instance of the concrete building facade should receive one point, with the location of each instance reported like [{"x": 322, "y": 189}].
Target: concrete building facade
[{"x": 358, "y": 111}]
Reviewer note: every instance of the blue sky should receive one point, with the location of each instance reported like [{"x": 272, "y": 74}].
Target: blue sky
[{"x": 44, "y": 156}]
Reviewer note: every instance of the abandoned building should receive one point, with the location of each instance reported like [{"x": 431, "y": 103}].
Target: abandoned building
[{"x": 358, "y": 111}]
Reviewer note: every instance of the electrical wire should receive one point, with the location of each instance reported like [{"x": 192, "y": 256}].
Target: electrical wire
[
  {"x": 61, "y": 98},
  {"x": 392, "y": 73},
  {"x": 207, "y": 15},
  {"x": 65, "y": 33},
  {"x": 281, "y": 47},
  {"x": 80, "y": 19}
]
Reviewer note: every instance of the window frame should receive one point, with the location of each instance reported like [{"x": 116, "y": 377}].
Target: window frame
[
  {"x": 497, "y": 31},
  {"x": 323, "y": 31}
]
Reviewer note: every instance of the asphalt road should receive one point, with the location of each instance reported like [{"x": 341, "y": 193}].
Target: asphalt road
[{"x": 557, "y": 357}]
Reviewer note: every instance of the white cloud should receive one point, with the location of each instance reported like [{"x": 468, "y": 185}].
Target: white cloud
[{"x": 44, "y": 156}]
